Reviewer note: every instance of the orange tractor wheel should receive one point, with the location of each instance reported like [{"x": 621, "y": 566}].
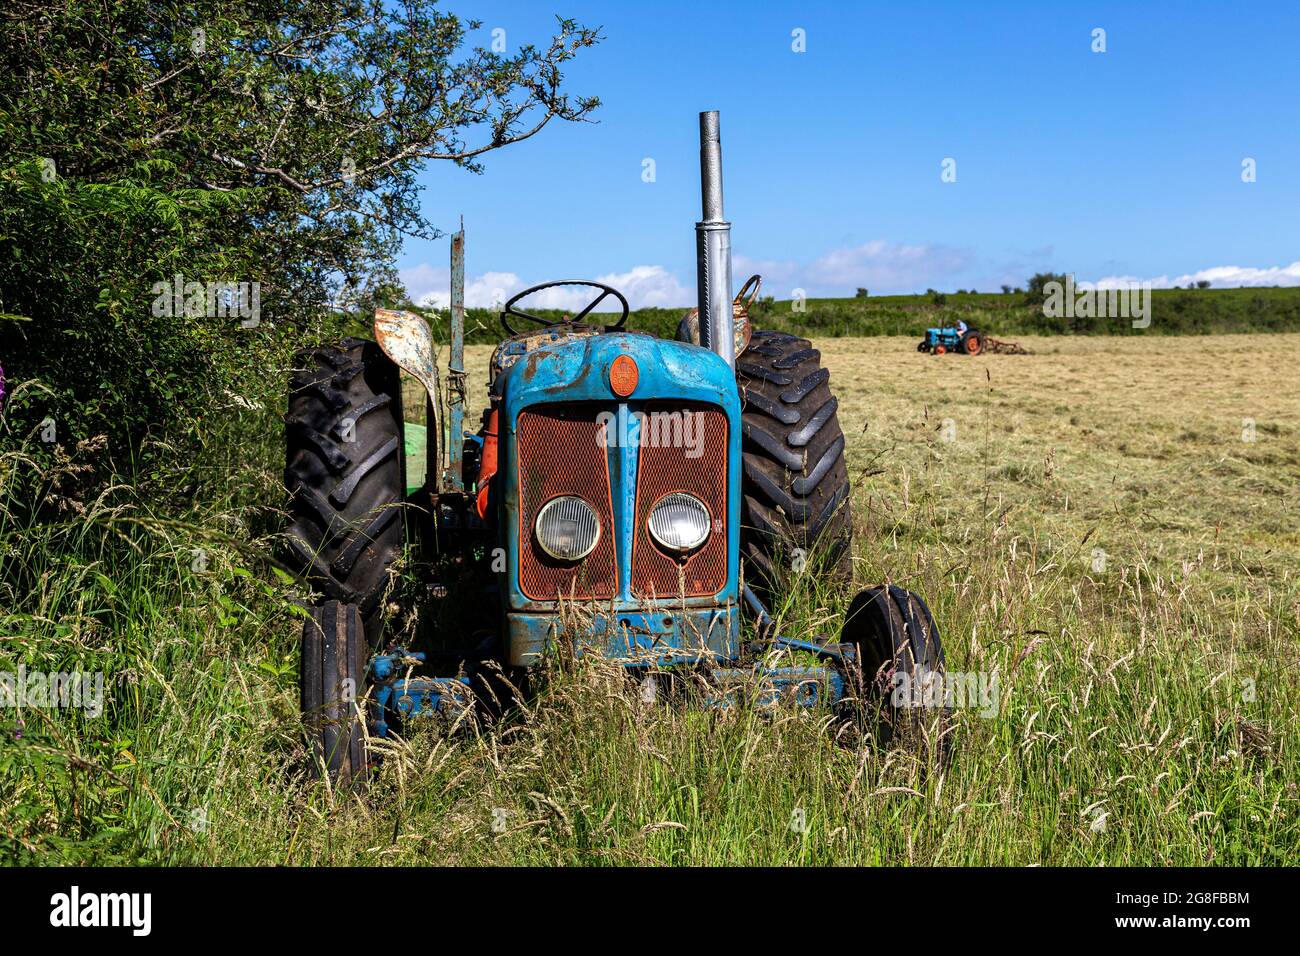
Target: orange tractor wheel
[{"x": 940, "y": 349}]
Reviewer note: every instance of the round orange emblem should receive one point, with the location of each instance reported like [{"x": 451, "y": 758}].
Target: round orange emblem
[{"x": 623, "y": 375}]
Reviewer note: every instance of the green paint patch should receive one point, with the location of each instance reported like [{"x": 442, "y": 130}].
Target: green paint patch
[{"x": 416, "y": 441}]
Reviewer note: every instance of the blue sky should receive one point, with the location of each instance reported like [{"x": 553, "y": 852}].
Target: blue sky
[{"x": 1126, "y": 163}]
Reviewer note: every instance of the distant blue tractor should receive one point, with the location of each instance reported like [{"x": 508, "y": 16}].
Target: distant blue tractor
[
  {"x": 942, "y": 341},
  {"x": 625, "y": 495}
]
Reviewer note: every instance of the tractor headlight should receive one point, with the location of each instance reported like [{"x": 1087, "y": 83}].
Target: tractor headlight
[
  {"x": 680, "y": 522},
  {"x": 567, "y": 528}
]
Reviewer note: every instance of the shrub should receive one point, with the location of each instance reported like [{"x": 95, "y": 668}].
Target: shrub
[{"x": 193, "y": 140}]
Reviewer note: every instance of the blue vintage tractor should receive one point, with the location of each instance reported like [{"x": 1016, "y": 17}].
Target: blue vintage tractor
[
  {"x": 667, "y": 489},
  {"x": 941, "y": 341}
]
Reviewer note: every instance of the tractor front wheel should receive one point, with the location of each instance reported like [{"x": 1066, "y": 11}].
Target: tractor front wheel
[
  {"x": 899, "y": 678},
  {"x": 940, "y": 350},
  {"x": 795, "y": 483},
  {"x": 332, "y": 685}
]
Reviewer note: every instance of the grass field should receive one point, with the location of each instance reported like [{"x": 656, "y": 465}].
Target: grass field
[{"x": 1106, "y": 527}]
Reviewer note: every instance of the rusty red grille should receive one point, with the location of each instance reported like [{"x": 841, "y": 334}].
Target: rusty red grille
[
  {"x": 562, "y": 452},
  {"x": 664, "y": 468}
]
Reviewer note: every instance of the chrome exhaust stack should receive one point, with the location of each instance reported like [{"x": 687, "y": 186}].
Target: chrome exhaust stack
[{"x": 713, "y": 247}]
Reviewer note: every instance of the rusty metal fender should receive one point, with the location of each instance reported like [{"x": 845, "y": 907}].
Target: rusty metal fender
[
  {"x": 406, "y": 339},
  {"x": 689, "y": 329}
]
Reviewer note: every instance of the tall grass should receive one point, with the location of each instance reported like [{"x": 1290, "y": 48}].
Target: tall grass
[{"x": 1143, "y": 716}]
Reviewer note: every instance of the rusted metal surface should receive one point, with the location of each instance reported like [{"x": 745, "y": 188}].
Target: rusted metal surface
[
  {"x": 406, "y": 339},
  {"x": 667, "y": 464},
  {"x": 576, "y": 371},
  {"x": 689, "y": 329},
  {"x": 453, "y": 479},
  {"x": 660, "y": 635},
  {"x": 526, "y": 343},
  {"x": 561, "y": 450},
  {"x": 1004, "y": 348}
]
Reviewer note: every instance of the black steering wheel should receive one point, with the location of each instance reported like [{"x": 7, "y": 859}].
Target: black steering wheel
[{"x": 605, "y": 291}]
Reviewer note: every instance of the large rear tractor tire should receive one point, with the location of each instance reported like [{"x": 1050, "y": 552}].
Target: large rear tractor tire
[
  {"x": 972, "y": 342},
  {"x": 344, "y": 475},
  {"x": 795, "y": 484}
]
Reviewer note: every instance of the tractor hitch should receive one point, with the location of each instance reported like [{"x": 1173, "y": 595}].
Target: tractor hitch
[
  {"x": 767, "y": 687},
  {"x": 409, "y": 697}
]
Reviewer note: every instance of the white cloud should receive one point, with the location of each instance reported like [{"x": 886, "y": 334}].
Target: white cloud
[
  {"x": 644, "y": 286},
  {"x": 1221, "y": 276},
  {"x": 772, "y": 270},
  {"x": 878, "y": 265},
  {"x": 889, "y": 265},
  {"x": 647, "y": 286},
  {"x": 430, "y": 286},
  {"x": 424, "y": 280}
]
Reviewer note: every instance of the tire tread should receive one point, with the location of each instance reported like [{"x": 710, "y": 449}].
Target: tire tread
[{"x": 795, "y": 479}]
